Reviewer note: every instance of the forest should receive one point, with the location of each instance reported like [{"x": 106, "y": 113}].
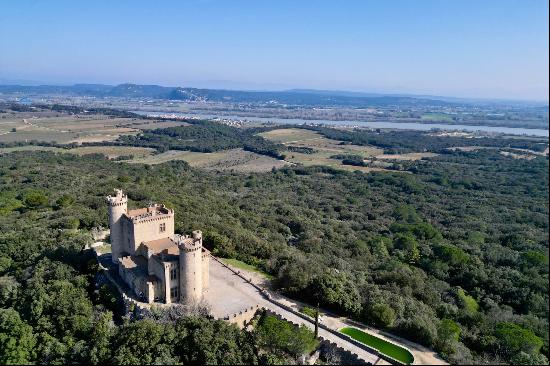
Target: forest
[
  {"x": 453, "y": 255},
  {"x": 205, "y": 136},
  {"x": 397, "y": 142}
]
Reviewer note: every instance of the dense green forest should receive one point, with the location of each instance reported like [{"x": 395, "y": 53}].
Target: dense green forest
[
  {"x": 208, "y": 136},
  {"x": 451, "y": 253},
  {"x": 205, "y": 136},
  {"x": 53, "y": 312},
  {"x": 454, "y": 255},
  {"x": 418, "y": 141}
]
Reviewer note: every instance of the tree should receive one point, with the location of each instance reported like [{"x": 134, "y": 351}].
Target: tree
[
  {"x": 211, "y": 342},
  {"x": 142, "y": 342},
  {"x": 9, "y": 288},
  {"x": 418, "y": 327},
  {"x": 35, "y": 199},
  {"x": 451, "y": 254},
  {"x": 279, "y": 336},
  {"x": 100, "y": 339},
  {"x": 382, "y": 315},
  {"x": 523, "y": 358},
  {"x": 514, "y": 339},
  {"x": 17, "y": 340},
  {"x": 65, "y": 200},
  {"x": 337, "y": 291},
  {"x": 448, "y": 333},
  {"x": 409, "y": 245},
  {"x": 467, "y": 302}
]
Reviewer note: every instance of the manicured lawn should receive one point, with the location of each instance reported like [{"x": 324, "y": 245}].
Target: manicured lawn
[
  {"x": 387, "y": 348},
  {"x": 247, "y": 267}
]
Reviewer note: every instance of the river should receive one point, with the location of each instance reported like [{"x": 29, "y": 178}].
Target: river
[{"x": 386, "y": 124}]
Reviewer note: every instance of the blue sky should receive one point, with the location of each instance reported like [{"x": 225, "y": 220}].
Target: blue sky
[{"x": 490, "y": 49}]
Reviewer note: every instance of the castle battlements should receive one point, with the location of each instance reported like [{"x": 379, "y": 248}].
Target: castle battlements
[
  {"x": 189, "y": 243},
  {"x": 157, "y": 264},
  {"x": 118, "y": 199}
]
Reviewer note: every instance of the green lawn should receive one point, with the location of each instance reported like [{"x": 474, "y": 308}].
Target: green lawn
[
  {"x": 247, "y": 267},
  {"x": 387, "y": 348}
]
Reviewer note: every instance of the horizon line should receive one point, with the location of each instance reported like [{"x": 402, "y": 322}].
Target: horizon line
[{"x": 31, "y": 83}]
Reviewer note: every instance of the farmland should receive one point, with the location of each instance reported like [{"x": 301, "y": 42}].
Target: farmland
[
  {"x": 110, "y": 152},
  {"x": 64, "y": 128},
  {"x": 322, "y": 150},
  {"x": 234, "y": 159}
]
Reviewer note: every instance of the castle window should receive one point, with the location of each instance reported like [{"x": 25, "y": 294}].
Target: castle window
[
  {"x": 174, "y": 292},
  {"x": 174, "y": 274},
  {"x": 162, "y": 227}
]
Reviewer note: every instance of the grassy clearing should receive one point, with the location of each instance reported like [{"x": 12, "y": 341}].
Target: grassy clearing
[
  {"x": 409, "y": 156},
  {"x": 289, "y": 135},
  {"x": 245, "y": 266},
  {"x": 65, "y": 129},
  {"x": 109, "y": 151},
  {"x": 113, "y": 151},
  {"x": 385, "y": 347},
  {"x": 324, "y": 148},
  {"x": 7, "y": 150},
  {"x": 236, "y": 159}
]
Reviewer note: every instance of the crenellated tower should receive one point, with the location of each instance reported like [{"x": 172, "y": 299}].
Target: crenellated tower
[
  {"x": 118, "y": 206},
  {"x": 191, "y": 267}
]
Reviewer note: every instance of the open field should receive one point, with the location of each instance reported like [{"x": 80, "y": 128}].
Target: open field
[
  {"x": 235, "y": 159},
  {"x": 113, "y": 151},
  {"x": 290, "y": 135},
  {"x": 7, "y": 150},
  {"x": 63, "y": 128},
  {"x": 385, "y": 347},
  {"x": 324, "y": 148},
  {"x": 305, "y": 138},
  {"x": 521, "y": 153},
  {"x": 109, "y": 151},
  {"x": 410, "y": 156}
]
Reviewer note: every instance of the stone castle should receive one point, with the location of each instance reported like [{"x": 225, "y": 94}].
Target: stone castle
[{"x": 158, "y": 265}]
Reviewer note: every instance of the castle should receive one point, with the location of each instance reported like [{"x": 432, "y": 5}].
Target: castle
[{"x": 158, "y": 265}]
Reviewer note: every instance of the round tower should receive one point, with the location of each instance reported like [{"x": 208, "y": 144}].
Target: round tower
[
  {"x": 118, "y": 205},
  {"x": 190, "y": 249}
]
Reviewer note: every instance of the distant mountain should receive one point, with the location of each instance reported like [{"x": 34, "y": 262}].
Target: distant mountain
[
  {"x": 291, "y": 97},
  {"x": 342, "y": 93}
]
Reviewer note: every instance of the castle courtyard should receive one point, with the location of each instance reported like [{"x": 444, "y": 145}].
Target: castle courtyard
[{"x": 228, "y": 293}]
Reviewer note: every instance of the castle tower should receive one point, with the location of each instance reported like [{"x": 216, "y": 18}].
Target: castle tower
[
  {"x": 118, "y": 205},
  {"x": 190, "y": 255}
]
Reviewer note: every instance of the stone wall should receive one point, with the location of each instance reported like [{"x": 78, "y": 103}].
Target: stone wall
[
  {"x": 136, "y": 231},
  {"x": 205, "y": 270},
  {"x": 242, "y": 318}
]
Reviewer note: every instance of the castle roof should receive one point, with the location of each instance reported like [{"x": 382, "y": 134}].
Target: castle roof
[
  {"x": 146, "y": 212},
  {"x": 133, "y": 262},
  {"x": 165, "y": 245}
]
